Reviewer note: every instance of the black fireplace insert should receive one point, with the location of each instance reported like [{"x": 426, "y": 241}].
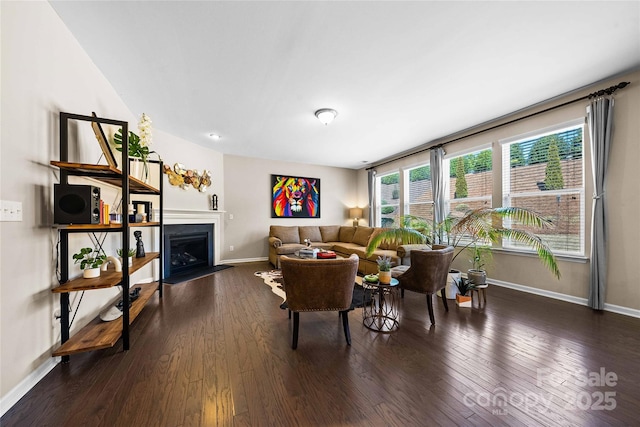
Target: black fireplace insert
[{"x": 187, "y": 248}]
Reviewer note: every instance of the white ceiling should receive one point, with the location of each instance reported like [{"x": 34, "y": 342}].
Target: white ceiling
[{"x": 400, "y": 74}]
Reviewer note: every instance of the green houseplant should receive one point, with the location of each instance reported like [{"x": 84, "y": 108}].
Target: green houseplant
[
  {"x": 474, "y": 227},
  {"x": 384, "y": 269},
  {"x": 90, "y": 262},
  {"x": 464, "y": 286},
  {"x": 480, "y": 255},
  {"x": 130, "y": 254}
]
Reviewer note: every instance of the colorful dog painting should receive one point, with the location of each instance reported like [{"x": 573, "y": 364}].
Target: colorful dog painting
[{"x": 294, "y": 197}]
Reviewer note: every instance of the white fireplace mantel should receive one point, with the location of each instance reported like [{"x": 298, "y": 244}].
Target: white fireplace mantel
[{"x": 193, "y": 216}]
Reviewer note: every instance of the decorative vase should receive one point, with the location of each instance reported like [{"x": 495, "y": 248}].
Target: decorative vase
[
  {"x": 90, "y": 273},
  {"x": 477, "y": 277},
  {"x": 451, "y": 290},
  {"x": 139, "y": 169},
  {"x": 384, "y": 277}
]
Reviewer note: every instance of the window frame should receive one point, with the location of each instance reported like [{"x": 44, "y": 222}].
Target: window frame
[
  {"x": 506, "y": 194},
  {"x": 446, "y": 164},
  {"x": 378, "y": 196},
  {"x": 406, "y": 190}
]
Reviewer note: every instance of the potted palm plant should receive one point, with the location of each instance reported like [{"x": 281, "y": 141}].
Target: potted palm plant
[
  {"x": 473, "y": 228},
  {"x": 90, "y": 262}
]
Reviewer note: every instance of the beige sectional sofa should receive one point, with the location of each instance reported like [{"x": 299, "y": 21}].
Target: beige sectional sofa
[{"x": 344, "y": 240}]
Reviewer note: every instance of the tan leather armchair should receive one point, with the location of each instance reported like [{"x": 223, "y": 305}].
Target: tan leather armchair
[
  {"x": 428, "y": 274},
  {"x": 319, "y": 285}
]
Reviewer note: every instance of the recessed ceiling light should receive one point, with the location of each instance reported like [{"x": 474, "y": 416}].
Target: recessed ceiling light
[{"x": 214, "y": 136}]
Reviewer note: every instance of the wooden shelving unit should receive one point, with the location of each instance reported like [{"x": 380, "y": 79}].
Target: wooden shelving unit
[
  {"x": 107, "y": 279},
  {"x": 99, "y": 334}
]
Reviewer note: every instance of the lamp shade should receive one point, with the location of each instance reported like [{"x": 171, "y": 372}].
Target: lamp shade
[{"x": 355, "y": 213}]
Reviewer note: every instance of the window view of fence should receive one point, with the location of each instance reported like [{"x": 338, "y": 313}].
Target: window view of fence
[
  {"x": 388, "y": 189},
  {"x": 470, "y": 182},
  {"x": 545, "y": 174},
  {"x": 420, "y": 201}
]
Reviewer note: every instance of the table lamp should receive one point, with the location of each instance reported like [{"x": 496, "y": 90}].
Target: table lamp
[{"x": 356, "y": 214}]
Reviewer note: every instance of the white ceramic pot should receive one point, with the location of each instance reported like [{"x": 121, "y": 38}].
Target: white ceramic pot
[
  {"x": 451, "y": 290},
  {"x": 130, "y": 260},
  {"x": 90, "y": 273}
]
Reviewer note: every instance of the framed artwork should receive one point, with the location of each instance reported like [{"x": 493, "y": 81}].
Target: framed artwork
[
  {"x": 295, "y": 197},
  {"x": 104, "y": 144}
]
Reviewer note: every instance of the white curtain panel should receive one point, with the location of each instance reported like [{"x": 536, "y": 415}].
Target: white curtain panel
[{"x": 600, "y": 120}]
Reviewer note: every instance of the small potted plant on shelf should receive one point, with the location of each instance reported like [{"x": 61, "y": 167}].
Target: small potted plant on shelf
[
  {"x": 130, "y": 255},
  {"x": 384, "y": 269},
  {"x": 464, "y": 286},
  {"x": 90, "y": 262}
]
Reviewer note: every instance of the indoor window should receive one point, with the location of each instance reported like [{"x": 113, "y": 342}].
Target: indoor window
[
  {"x": 388, "y": 200},
  {"x": 418, "y": 188},
  {"x": 470, "y": 182},
  {"x": 543, "y": 172}
]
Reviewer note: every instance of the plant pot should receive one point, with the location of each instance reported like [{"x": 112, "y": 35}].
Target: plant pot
[
  {"x": 463, "y": 300},
  {"x": 477, "y": 277},
  {"x": 139, "y": 169},
  {"x": 90, "y": 273},
  {"x": 384, "y": 277},
  {"x": 451, "y": 290},
  {"x": 130, "y": 260}
]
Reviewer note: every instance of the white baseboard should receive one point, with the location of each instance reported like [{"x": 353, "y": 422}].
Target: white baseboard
[
  {"x": 564, "y": 297},
  {"x": 7, "y": 401}
]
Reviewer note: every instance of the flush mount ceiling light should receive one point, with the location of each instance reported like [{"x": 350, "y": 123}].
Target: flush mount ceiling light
[
  {"x": 326, "y": 115},
  {"x": 214, "y": 136}
]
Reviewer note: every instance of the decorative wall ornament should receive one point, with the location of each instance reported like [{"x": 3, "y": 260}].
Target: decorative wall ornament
[{"x": 181, "y": 177}]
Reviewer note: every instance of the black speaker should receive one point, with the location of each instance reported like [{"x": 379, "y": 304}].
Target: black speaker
[{"x": 76, "y": 204}]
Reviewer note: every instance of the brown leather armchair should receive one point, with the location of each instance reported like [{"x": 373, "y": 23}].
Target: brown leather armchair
[
  {"x": 319, "y": 285},
  {"x": 428, "y": 274}
]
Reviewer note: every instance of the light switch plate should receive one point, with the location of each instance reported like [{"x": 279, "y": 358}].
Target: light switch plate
[{"x": 10, "y": 211}]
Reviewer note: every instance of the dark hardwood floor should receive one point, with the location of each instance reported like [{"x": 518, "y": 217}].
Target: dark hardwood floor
[{"x": 217, "y": 351}]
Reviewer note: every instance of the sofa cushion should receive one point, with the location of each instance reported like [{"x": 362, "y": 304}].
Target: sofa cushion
[
  {"x": 361, "y": 236},
  {"x": 330, "y": 233},
  {"x": 346, "y": 234},
  {"x": 311, "y": 232},
  {"x": 288, "y": 234},
  {"x": 346, "y": 248}
]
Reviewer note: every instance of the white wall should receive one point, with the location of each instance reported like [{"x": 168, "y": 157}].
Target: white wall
[
  {"x": 248, "y": 199},
  {"x": 44, "y": 71}
]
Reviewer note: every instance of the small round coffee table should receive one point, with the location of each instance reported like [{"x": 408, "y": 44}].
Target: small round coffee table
[{"x": 381, "y": 314}]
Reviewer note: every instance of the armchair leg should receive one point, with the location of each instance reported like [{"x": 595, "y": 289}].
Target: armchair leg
[
  {"x": 345, "y": 325},
  {"x": 444, "y": 301},
  {"x": 430, "y": 308},
  {"x": 296, "y": 324}
]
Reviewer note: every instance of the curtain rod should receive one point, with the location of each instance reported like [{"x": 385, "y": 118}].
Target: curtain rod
[{"x": 601, "y": 92}]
